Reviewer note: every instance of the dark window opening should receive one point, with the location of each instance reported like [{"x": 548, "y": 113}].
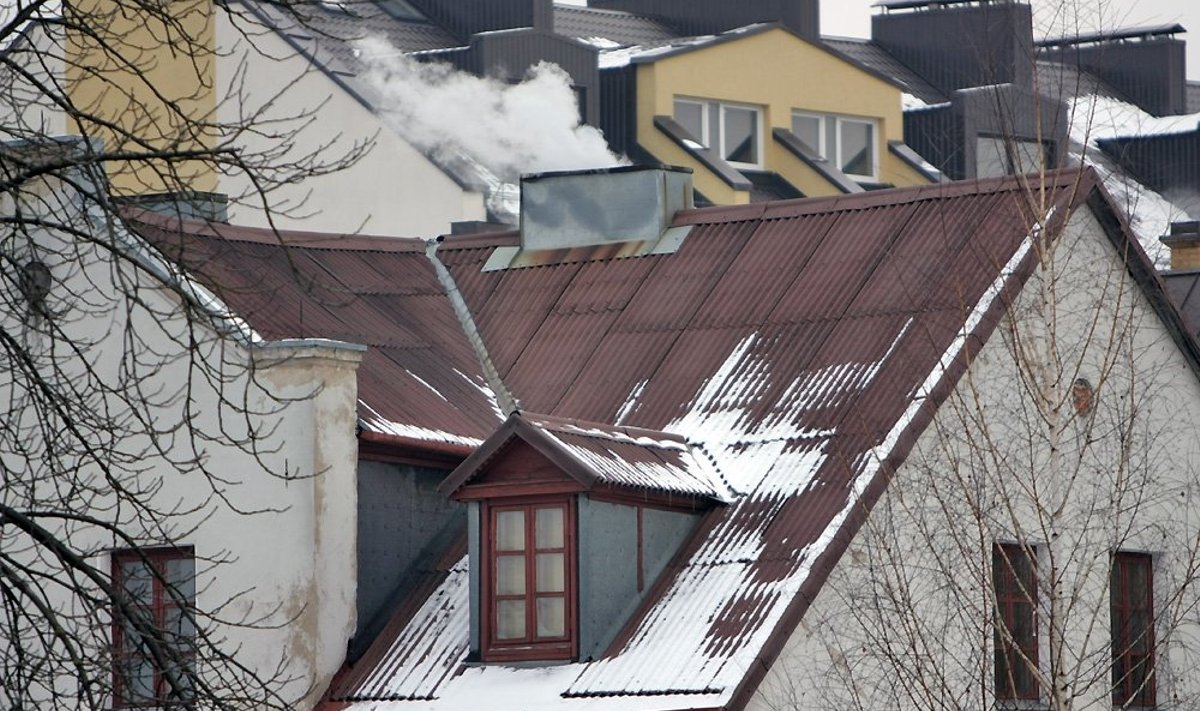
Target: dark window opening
[
  {"x": 1014, "y": 575},
  {"x": 1131, "y": 594}
]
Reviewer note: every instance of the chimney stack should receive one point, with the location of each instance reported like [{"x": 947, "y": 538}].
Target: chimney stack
[{"x": 1184, "y": 241}]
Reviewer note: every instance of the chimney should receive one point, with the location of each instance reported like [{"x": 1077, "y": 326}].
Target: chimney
[
  {"x": 703, "y": 17},
  {"x": 465, "y": 18},
  {"x": 957, "y": 44},
  {"x": 1146, "y": 64},
  {"x": 606, "y": 206},
  {"x": 1184, "y": 241}
]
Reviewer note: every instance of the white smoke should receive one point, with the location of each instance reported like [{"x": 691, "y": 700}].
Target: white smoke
[{"x": 510, "y": 129}]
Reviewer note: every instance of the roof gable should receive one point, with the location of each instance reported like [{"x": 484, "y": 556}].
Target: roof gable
[{"x": 540, "y": 454}]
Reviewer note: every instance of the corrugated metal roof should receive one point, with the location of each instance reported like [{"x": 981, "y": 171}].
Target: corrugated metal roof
[
  {"x": 419, "y": 377},
  {"x": 804, "y": 344}
]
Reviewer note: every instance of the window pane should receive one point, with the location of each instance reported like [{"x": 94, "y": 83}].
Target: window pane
[
  {"x": 858, "y": 148},
  {"x": 551, "y": 617},
  {"x": 990, "y": 159},
  {"x": 690, "y": 115},
  {"x": 741, "y": 134},
  {"x": 181, "y": 574},
  {"x": 510, "y": 619},
  {"x": 808, "y": 130},
  {"x": 1027, "y": 156},
  {"x": 138, "y": 680},
  {"x": 550, "y": 528},
  {"x": 137, "y": 581},
  {"x": 179, "y": 622},
  {"x": 551, "y": 574},
  {"x": 1015, "y": 640},
  {"x": 714, "y": 123},
  {"x": 510, "y": 575},
  {"x": 510, "y": 531}
]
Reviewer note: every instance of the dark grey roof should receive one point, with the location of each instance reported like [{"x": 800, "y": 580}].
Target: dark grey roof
[
  {"x": 335, "y": 30},
  {"x": 1124, "y": 33},
  {"x": 1063, "y": 80},
  {"x": 870, "y": 54},
  {"x": 624, "y": 28}
]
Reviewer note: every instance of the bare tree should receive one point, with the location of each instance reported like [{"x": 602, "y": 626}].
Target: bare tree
[
  {"x": 141, "y": 441},
  {"x": 1039, "y": 547}
]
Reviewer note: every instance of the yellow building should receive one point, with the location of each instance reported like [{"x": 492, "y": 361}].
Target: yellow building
[{"x": 762, "y": 110}]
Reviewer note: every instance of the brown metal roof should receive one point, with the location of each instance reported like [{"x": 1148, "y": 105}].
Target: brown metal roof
[
  {"x": 804, "y": 344},
  {"x": 419, "y": 378}
]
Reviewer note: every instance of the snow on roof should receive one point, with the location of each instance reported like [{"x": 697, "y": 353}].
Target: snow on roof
[
  {"x": 800, "y": 344},
  {"x": 1094, "y": 117}
]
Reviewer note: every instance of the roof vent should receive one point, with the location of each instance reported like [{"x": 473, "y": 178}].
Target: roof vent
[
  {"x": 613, "y": 212},
  {"x": 574, "y": 209}
]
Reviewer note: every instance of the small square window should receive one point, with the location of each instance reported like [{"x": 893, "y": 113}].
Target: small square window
[
  {"x": 856, "y": 148},
  {"x": 158, "y": 594}
]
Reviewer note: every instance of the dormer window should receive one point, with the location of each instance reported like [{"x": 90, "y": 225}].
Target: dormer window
[
  {"x": 530, "y": 573},
  {"x": 570, "y": 524},
  {"x": 734, "y": 131}
]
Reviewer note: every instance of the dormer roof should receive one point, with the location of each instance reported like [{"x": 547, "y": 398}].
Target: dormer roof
[{"x": 601, "y": 456}]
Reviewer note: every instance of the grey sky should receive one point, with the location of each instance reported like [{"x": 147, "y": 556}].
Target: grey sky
[{"x": 852, "y": 18}]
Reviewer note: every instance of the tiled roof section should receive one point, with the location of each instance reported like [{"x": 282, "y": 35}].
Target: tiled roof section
[
  {"x": 419, "y": 378},
  {"x": 623, "y": 28},
  {"x": 1063, "y": 81},
  {"x": 870, "y": 54},
  {"x": 804, "y": 344}
]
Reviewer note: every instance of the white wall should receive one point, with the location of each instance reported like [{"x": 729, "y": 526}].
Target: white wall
[
  {"x": 903, "y": 621},
  {"x": 392, "y": 190},
  {"x": 247, "y": 454}
]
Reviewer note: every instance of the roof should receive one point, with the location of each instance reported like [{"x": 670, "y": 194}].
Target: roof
[
  {"x": 1183, "y": 286},
  {"x": 871, "y": 54},
  {"x": 596, "y": 453},
  {"x": 419, "y": 380},
  {"x": 1123, "y": 34},
  {"x": 683, "y": 45},
  {"x": 803, "y": 344},
  {"x": 618, "y": 27}
]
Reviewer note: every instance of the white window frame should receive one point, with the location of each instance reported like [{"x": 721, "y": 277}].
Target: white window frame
[
  {"x": 874, "y": 126},
  {"x": 706, "y": 127},
  {"x": 834, "y": 122}
]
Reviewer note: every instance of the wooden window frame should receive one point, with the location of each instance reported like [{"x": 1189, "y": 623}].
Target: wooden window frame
[
  {"x": 1013, "y": 597},
  {"x": 1123, "y": 603},
  {"x": 161, "y": 600},
  {"x": 530, "y": 647}
]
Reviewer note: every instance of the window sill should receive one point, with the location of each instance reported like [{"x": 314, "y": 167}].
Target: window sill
[{"x": 1022, "y": 705}]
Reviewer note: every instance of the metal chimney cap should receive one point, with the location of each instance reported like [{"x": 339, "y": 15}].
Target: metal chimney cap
[{"x": 1185, "y": 228}]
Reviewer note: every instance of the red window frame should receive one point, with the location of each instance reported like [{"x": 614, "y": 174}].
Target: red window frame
[
  {"x": 1014, "y": 580},
  {"x": 530, "y": 647},
  {"x": 1132, "y": 620},
  {"x": 158, "y": 609}
]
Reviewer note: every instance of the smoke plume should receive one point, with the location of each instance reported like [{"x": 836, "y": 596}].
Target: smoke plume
[{"x": 510, "y": 129}]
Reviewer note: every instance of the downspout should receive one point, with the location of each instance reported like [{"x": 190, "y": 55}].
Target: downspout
[{"x": 504, "y": 399}]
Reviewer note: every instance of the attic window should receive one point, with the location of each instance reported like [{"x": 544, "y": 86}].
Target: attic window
[
  {"x": 529, "y": 580},
  {"x": 846, "y": 141},
  {"x": 732, "y": 130}
]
